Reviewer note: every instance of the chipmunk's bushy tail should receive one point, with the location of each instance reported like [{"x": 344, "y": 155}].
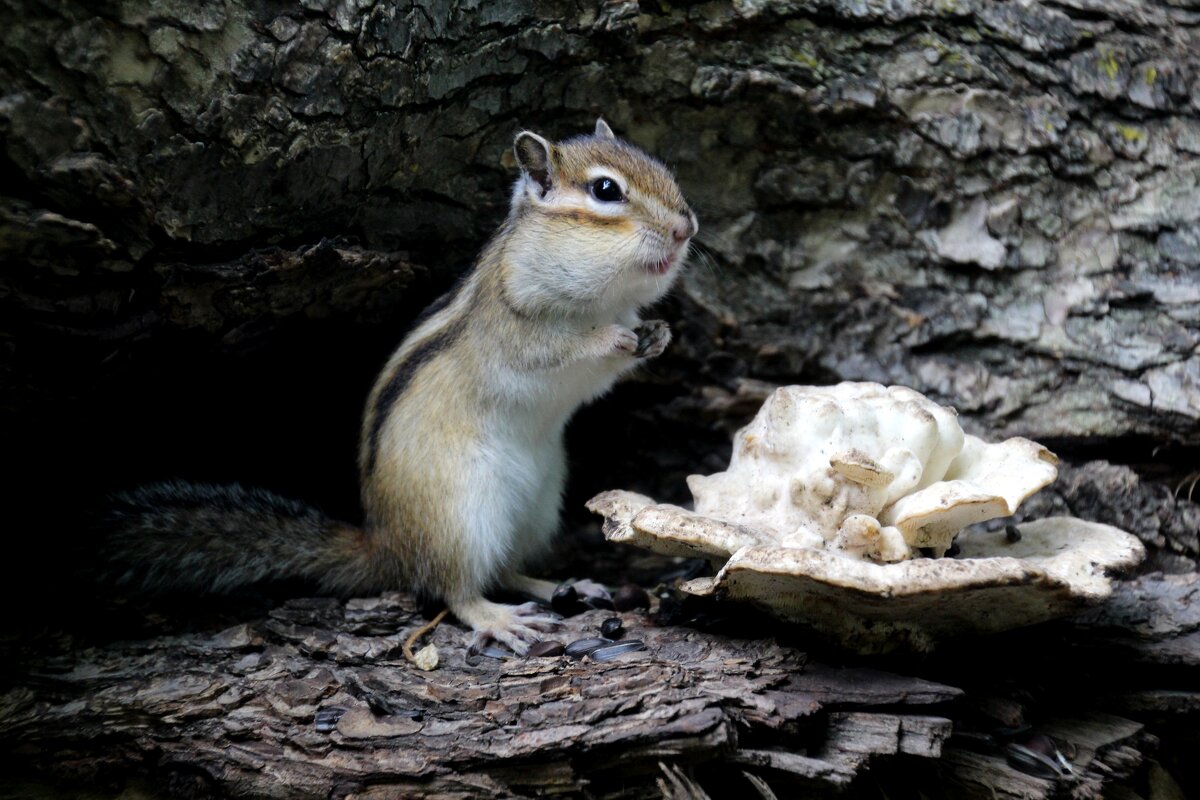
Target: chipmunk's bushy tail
[{"x": 200, "y": 537}]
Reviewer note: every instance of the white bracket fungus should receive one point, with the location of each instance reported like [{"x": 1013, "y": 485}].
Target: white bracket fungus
[
  {"x": 878, "y": 472},
  {"x": 830, "y": 487}
]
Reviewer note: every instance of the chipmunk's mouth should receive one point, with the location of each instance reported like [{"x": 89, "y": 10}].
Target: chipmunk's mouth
[{"x": 664, "y": 264}]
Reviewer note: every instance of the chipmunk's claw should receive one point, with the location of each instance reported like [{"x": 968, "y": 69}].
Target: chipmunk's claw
[
  {"x": 653, "y": 337},
  {"x": 516, "y": 627}
]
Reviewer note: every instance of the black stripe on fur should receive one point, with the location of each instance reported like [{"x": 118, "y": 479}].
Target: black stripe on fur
[{"x": 406, "y": 370}]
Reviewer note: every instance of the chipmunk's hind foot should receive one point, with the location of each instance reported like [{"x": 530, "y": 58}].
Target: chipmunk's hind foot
[
  {"x": 592, "y": 593},
  {"x": 516, "y": 627}
]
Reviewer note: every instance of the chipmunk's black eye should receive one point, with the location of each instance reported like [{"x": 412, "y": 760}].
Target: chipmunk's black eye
[{"x": 607, "y": 190}]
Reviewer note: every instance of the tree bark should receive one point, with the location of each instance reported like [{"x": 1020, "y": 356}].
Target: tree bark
[
  {"x": 217, "y": 217},
  {"x": 995, "y": 203},
  {"x": 316, "y": 701}
]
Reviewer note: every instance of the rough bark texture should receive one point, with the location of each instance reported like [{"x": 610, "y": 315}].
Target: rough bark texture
[
  {"x": 316, "y": 701},
  {"x": 995, "y": 203},
  {"x": 217, "y": 216}
]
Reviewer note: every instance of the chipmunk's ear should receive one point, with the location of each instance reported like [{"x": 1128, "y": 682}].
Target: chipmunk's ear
[
  {"x": 534, "y": 155},
  {"x": 602, "y": 129}
]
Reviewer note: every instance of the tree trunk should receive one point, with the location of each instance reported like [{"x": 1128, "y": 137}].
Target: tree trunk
[{"x": 217, "y": 217}]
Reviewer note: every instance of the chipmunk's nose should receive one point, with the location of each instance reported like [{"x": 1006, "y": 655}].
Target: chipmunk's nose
[{"x": 685, "y": 228}]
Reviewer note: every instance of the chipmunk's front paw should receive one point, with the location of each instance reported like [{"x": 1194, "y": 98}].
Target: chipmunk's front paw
[
  {"x": 617, "y": 340},
  {"x": 653, "y": 337}
]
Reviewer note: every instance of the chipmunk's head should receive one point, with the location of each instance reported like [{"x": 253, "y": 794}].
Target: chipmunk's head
[{"x": 595, "y": 223}]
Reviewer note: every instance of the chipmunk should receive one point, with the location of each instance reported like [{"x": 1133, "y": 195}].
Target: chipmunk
[{"x": 461, "y": 460}]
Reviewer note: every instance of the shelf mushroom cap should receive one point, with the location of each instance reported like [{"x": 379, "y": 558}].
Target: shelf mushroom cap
[
  {"x": 817, "y": 456},
  {"x": 1058, "y": 566},
  {"x": 832, "y": 493}
]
